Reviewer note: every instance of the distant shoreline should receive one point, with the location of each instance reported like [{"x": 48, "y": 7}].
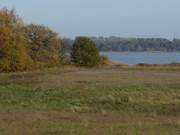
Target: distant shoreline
[{"x": 140, "y": 51}]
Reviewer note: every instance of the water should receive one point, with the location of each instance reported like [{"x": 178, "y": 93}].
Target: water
[{"x": 133, "y": 58}]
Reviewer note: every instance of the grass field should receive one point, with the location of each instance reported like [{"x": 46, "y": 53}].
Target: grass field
[{"x": 79, "y": 101}]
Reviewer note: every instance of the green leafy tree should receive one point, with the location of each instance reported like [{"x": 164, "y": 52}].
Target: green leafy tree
[
  {"x": 45, "y": 47},
  {"x": 84, "y": 52},
  {"x": 13, "y": 51}
]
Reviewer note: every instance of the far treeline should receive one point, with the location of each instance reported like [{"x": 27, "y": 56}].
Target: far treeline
[
  {"x": 118, "y": 44},
  {"x": 27, "y": 47}
]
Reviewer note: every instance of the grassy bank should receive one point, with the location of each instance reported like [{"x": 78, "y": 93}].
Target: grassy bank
[{"x": 80, "y": 101}]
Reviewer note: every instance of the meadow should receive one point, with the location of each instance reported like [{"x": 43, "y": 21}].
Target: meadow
[{"x": 112, "y": 100}]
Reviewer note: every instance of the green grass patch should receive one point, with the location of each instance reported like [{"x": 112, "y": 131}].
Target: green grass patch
[{"x": 151, "y": 99}]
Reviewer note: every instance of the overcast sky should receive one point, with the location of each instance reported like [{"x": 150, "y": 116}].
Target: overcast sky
[{"x": 125, "y": 18}]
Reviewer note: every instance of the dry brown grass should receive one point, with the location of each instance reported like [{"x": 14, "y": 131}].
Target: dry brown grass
[{"x": 51, "y": 122}]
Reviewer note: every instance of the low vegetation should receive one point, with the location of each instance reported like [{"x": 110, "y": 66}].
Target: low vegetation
[{"x": 73, "y": 100}]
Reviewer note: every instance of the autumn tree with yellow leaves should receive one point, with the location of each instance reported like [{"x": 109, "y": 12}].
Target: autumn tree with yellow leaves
[{"x": 24, "y": 47}]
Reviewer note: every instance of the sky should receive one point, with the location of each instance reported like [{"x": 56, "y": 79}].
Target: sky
[{"x": 124, "y": 18}]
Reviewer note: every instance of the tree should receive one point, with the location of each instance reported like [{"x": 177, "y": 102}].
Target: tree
[
  {"x": 119, "y": 44},
  {"x": 13, "y": 51},
  {"x": 84, "y": 52},
  {"x": 45, "y": 47}
]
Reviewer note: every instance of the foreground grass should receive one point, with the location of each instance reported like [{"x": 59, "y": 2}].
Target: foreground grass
[
  {"x": 150, "y": 99},
  {"x": 74, "y": 101}
]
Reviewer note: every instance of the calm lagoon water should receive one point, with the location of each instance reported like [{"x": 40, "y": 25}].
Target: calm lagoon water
[{"x": 143, "y": 57}]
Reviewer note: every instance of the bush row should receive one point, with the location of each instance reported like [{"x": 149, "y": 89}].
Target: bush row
[
  {"x": 24, "y": 47},
  {"x": 27, "y": 47}
]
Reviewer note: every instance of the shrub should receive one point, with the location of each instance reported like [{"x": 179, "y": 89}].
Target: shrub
[
  {"x": 103, "y": 60},
  {"x": 85, "y": 53}
]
